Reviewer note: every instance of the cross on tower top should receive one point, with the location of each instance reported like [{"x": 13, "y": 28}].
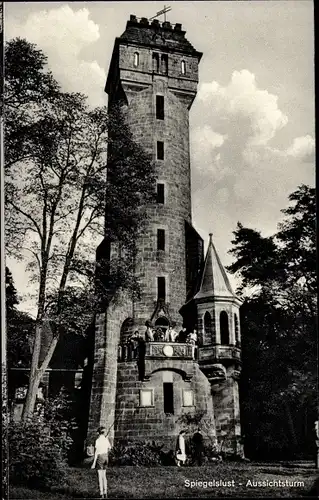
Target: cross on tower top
[{"x": 163, "y": 11}]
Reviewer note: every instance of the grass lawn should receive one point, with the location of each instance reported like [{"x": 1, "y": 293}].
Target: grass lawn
[{"x": 172, "y": 482}]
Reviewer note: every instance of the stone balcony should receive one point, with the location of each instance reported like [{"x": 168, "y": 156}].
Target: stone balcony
[
  {"x": 213, "y": 361},
  {"x": 157, "y": 350},
  {"x": 219, "y": 353},
  {"x": 168, "y": 350}
]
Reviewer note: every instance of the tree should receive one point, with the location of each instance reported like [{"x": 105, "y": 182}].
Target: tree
[
  {"x": 278, "y": 383},
  {"x": 56, "y": 192}
]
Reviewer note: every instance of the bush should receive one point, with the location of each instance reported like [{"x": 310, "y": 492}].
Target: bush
[
  {"x": 134, "y": 454},
  {"x": 140, "y": 454},
  {"x": 38, "y": 448}
]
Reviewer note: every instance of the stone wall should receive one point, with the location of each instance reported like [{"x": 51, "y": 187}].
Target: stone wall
[
  {"x": 227, "y": 412},
  {"x": 174, "y": 173},
  {"x": 103, "y": 391},
  {"x": 135, "y": 423}
]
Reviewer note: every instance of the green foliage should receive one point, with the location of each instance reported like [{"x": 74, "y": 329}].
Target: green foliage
[
  {"x": 38, "y": 446},
  {"x": 278, "y": 322}
]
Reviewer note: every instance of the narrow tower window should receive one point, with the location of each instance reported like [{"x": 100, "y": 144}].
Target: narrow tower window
[
  {"x": 236, "y": 329},
  {"x": 168, "y": 398},
  {"x": 160, "y": 150},
  {"x": 161, "y": 288},
  {"x": 183, "y": 67},
  {"x": 136, "y": 59},
  {"x": 161, "y": 239},
  {"x": 164, "y": 64},
  {"x": 160, "y": 107},
  {"x": 155, "y": 61},
  {"x": 224, "y": 328},
  {"x": 160, "y": 193}
]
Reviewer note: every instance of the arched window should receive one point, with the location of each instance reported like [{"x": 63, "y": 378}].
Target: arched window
[
  {"x": 224, "y": 328},
  {"x": 155, "y": 60},
  {"x": 236, "y": 329},
  {"x": 136, "y": 59},
  {"x": 183, "y": 67},
  {"x": 208, "y": 328}
]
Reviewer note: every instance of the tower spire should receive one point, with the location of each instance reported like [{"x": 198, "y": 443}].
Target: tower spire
[{"x": 214, "y": 281}]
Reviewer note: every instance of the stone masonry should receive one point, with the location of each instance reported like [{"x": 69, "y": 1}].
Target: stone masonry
[{"x": 141, "y": 395}]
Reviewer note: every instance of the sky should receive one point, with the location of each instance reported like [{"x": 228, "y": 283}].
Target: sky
[{"x": 252, "y": 122}]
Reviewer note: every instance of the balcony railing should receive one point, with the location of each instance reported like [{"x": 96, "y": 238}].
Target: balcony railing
[
  {"x": 176, "y": 350},
  {"x": 156, "y": 350},
  {"x": 219, "y": 353}
]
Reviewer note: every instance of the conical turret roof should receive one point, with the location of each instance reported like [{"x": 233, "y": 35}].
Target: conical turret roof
[{"x": 214, "y": 282}]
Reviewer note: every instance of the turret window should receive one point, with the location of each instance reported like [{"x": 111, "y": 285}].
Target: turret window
[
  {"x": 224, "y": 328},
  {"x": 160, "y": 193},
  {"x": 208, "y": 327},
  {"x": 136, "y": 59},
  {"x": 160, "y": 150},
  {"x": 183, "y": 67},
  {"x": 161, "y": 239},
  {"x": 160, "y": 107},
  {"x": 236, "y": 329}
]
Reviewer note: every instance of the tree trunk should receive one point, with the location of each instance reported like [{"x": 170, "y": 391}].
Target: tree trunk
[
  {"x": 33, "y": 376},
  {"x": 36, "y": 373},
  {"x": 291, "y": 427}
]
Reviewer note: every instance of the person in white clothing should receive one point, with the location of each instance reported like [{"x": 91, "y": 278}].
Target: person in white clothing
[
  {"x": 149, "y": 333},
  {"x": 102, "y": 448},
  {"x": 171, "y": 334},
  {"x": 180, "y": 449}
]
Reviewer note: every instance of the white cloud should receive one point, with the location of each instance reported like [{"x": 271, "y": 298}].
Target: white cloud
[
  {"x": 242, "y": 100},
  {"x": 302, "y": 148},
  {"x": 240, "y": 175},
  {"x": 62, "y": 33}
]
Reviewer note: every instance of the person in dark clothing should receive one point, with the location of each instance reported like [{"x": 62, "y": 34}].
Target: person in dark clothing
[
  {"x": 198, "y": 442},
  {"x": 182, "y": 336}
]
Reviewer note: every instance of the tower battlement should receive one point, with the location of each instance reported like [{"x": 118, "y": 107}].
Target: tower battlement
[
  {"x": 153, "y": 33},
  {"x": 155, "y": 24}
]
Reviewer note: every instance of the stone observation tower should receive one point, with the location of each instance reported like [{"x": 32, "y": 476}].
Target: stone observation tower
[{"x": 140, "y": 393}]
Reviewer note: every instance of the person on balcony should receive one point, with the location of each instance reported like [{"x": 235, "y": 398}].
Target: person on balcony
[
  {"x": 171, "y": 334},
  {"x": 182, "y": 336},
  {"x": 149, "y": 333},
  {"x": 134, "y": 342},
  {"x": 192, "y": 339},
  {"x": 158, "y": 335}
]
